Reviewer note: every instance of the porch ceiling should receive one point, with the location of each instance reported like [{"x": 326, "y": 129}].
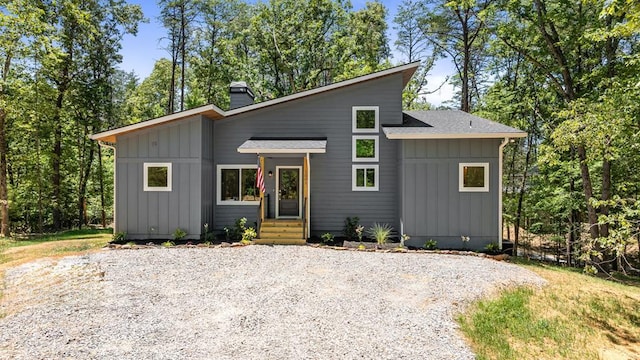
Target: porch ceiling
[{"x": 284, "y": 146}]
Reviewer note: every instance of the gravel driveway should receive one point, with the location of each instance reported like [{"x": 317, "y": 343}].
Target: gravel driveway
[{"x": 255, "y": 302}]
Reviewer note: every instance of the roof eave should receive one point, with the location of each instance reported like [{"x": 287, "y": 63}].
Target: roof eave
[
  {"x": 281, "y": 151},
  {"x": 456, "y": 136}
]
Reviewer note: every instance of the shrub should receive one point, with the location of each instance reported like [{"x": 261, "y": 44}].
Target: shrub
[
  {"x": 168, "y": 244},
  {"x": 493, "y": 247},
  {"x": 350, "y": 226},
  {"x": 248, "y": 235},
  {"x": 179, "y": 234},
  {"x": 327, "y": 238},
  {"x": 237, "y": 230},
  {"x": 207, "y": 236},
  {"x": 431, "y": 244},
  {"x": 119, "y": 236},
  {"x": 380, "y": 232}
]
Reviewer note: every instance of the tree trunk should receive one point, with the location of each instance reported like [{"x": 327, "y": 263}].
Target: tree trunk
[
  {"x": 183, "y": 40},
  {"x": 4, "y": 193},
  {"x": 82, "y": 188},
  {"x": 465, "y": 106},
  {"x": 588, "y": 192},
  {"x": 521, "y": 191},
  {"x": 56, "y": 160},
  {"x": 103, "y": 215}
]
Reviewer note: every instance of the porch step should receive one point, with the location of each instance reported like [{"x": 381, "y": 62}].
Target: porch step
[{"x": 284, "y": 232}]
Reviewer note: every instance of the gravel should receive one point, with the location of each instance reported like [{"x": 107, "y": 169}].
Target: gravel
[{"x": 255, "y": 302}]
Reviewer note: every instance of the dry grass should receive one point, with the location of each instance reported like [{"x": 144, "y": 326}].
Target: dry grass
[{"x": 574, "y": 317}]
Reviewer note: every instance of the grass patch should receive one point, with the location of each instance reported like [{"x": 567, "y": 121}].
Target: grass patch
[
  {"x": 64, "y": 235},
  {"x": 575, "y": 317}
]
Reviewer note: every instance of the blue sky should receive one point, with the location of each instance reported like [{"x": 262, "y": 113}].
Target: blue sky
[{"x": 142, "y": 51}]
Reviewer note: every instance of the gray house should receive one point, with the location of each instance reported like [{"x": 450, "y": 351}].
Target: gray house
[{"x": 341, "y": 150}]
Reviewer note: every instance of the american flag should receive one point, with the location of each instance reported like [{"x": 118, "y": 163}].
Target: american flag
[{"x": 260, "y": 178}]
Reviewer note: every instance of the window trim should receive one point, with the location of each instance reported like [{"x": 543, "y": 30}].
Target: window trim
[
  {"x": 240, "y": 167},
  {"x": 145, "y": 176},
  {"x": 356, "y": 167},
  {"x": 354, "y": 122},
  {"x": 461, "y": 186},
  {"x": 354, "y": 155}
]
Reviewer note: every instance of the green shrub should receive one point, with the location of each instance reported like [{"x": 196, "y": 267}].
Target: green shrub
[
  {"x": 179, "y": 234},
  {"x": 431, "y": 244},
  {"x": 168, "y": 243},
  {"x": 493, "y": 247},
  {"x": 350, "y": 227},
  {"x": 380, "y": 232},
  {"x": 248, "y": 235},
  {"x": 119, "y": 236},
  {"x": 327, "y": 238},
  {"x": 235, "y": 232},
  {"x": 208, "y": 235}
]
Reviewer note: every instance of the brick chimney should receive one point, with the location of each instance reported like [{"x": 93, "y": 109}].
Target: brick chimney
[{"x": 240, "y": 95}]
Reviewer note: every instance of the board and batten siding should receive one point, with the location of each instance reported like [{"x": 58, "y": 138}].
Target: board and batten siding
[
  {"x": 432, "y": 205},
  {"x": 327, "y": 115},
  {"x": 156, "y": 215}
]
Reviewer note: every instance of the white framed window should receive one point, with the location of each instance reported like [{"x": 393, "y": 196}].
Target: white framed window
[
  {"x": 236, "y": 185},
  {"x": 364, "y": 148},
  {"x": 156, "y": 176},
  {"x": 365, "y": 177},
  {"x": 365, "y": 119},
  {"x": 474, "y": 177}
]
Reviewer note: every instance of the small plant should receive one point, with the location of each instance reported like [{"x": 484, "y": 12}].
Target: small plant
[
  {"x": 131, "y": 243},
  {"x": 403, "y": 238},
  {"x": 237, "y": 230},
  {"x": 119, "y": 236},
  {"x": 350, "y": 226},
  {"x": 327, "y": 238},
  {"x": 207, "y": 236},
  {"x": 380, "y": 232},
  {"x": 431, "y": 244},
  {"x": 248, "y": 235},
  {"x": 493, "y": 247},
  {"x": 179, "y": 234},
  {"x": 361, "y": 247},
  {"x": 465, "y": 241},
  {"x": 359, "y": 232},
  {"x": 168, "y": 243}
]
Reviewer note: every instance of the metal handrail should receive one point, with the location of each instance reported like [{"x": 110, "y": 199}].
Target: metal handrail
[
  {"x": 304, "y": 218},
  {"x": 260, "y": 219}
]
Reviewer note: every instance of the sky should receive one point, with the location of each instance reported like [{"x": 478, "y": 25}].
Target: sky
[{"x": 140, "y": 52}]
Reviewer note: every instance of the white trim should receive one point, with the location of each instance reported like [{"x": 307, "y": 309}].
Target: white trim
[
  {"x": 354, "y": 123},
  {"x": 239, "y": 167},
  {"x": 145, "y": 177},
  {"x": 354, "y": 154},
  {"x": 376, "y": 179},
  {"x": 461, "y": 186},
  {"x": 454, "y": 135},
  {"x": 300, "y": 175},
  {"x": 500, "y": 190}
]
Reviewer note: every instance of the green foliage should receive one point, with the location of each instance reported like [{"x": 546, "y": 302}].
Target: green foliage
[
  {"x": 492, "y": 247},
  {"x": 208, "y": 235},
  {"x": 179, "y": 234},
  {"x": 380, "y": 232},
  {"x": 119, "y": 236},
  {"x": 327, "y": 238},
  {"x": 248, "y": 235},
  {"x": 168, "y": 244},
  {"x": 236, "y": 232},
  {"x": 350, "y": 228},
  {"x": 431, "y": 244}
]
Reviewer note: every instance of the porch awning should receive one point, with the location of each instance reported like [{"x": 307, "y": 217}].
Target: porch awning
[{"x": 284, "y": 146}]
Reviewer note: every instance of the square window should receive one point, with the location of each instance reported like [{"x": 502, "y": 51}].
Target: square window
[
  {"x": 365, "y": 148},
  {"x": 156, "y": 177},
  {"x": 474, "y": 177},
  {"x": 365, "y": 178},
  {"x": 237, "y": 185},
  {"x": 365, "y": 119}
]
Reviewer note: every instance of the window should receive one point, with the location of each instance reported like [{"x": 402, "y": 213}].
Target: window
[
  {"x": 365, "y": 148},
  {"x": 365, "y": 119},
  {"x": 474, "y": 177},
  {"x": 365, "y": 178},
  {"x": 237, "y": 185},
  {"x": 156, "y": 176}
]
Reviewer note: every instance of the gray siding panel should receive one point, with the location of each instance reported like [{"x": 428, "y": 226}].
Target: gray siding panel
[
  {"x": 322, "y": 115},
  {"x": 434, "y": 208},
  {"x": 157, "y": 214}
]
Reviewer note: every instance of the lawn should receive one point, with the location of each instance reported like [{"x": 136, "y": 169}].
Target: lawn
[{"x": 575, "y": 317}]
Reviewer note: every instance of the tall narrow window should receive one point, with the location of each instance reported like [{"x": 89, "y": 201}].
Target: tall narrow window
[
  {"x": 156, "y": 176},
  {"x": 365, "y": 119},
  {"x": 474, "y": 177}
]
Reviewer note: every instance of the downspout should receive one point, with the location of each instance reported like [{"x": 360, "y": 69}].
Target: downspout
[
  {"x": 500, "y": 190},
  {"x": 104, "y": 144}
]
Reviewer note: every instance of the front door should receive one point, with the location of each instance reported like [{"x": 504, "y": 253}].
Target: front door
[{"x": 288, "y": 191}]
